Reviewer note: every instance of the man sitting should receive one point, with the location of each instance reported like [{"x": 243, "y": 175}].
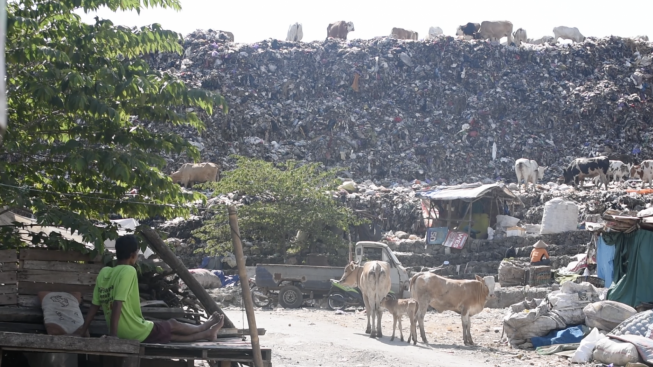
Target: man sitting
[
  {"x": 539, "y": 255},
  {"x": 116, "y": 291}
]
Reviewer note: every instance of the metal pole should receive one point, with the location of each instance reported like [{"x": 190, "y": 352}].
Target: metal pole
[
  {"x": 244, "y": 282},
  {"x": 350, "y": 257}
]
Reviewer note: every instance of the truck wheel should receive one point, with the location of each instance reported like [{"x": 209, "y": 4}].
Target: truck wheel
[{"x": 290, "y": 297}]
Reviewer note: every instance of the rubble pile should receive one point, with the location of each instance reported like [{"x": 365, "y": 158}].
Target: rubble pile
[{"x": 442, "y": 110}]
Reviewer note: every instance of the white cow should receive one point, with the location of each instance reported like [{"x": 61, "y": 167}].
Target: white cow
[
  {"x": 295, "y": 33},
  {"x": 568, "y": 33},
  {"x": 434, "y": 32},
  {"x": 520, "y": 36},
  {"x": 494, "y": 31},
  {"x": 529, "y": 171},
  {"x": 373, "y": 279}
]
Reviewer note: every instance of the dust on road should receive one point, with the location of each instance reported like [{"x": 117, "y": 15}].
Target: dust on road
[{"x": 318, "y": 337}]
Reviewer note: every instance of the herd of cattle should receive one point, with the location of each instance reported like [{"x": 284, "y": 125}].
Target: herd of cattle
[
  {"x": 601, "y": 169},
  {"x": 487, "y": 30},
  {"x": 465, "y": 297}
]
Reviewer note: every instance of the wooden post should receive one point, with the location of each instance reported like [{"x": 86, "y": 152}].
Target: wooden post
[
  {"x": 247, "y": 295},
  {"x": 447, "y": 250},
  {"x": 161, "y": 249},
  {"x": 350, "y": 255},
  {"x": 469, "y": 225}
]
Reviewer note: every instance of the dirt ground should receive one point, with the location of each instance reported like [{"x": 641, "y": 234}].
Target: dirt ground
[{"x": 319, "y": 337}]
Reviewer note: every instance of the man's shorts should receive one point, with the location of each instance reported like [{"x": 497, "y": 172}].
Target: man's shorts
[{"x": 160, "y": 334}]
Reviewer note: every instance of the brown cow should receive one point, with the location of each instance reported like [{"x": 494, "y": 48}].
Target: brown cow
[
  {"x": 465, "y": 297},
  {"x": 339, "y": 29},
  {"x": 373, "y": 279},
  {"x": 398, "y": 308},
  {"x": 196, "y": 173},
  {"x": 403, "y": 34}
]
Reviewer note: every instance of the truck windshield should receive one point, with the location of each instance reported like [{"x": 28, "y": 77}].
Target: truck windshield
[{"x": 373, "y": 254}]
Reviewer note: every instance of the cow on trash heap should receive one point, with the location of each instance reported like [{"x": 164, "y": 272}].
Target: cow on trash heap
[
  {"x": 191, "y": 173},
  {"x": 468, "y": 30},
  {"x": 403, "y": 34},
  {"x": 295, "y": 33},
  {"x": 529, "y": 171},
  {"x": 494, "y": 31},
  {"x": 587, "y": 167},
  {"x": 520, "y": 36},
  {"x": 373, "y": 279},
  {"x": 340, "y": 29},
  {"x": 643, "y": 171},
  {"x": 465, "y": 297},
  {"x": 568, "y": 33}
]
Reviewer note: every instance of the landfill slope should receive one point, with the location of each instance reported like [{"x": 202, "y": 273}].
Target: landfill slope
[{"x": 428, "y": 110}]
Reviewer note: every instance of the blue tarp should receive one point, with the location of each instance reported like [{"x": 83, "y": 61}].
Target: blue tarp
[
  {"x": 572, "y": 334},
  {"x": 226, "y": 279},
  {"x": 604, "y": 261}
]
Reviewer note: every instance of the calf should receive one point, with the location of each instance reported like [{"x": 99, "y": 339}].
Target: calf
[
  {"x": 587, "y": 167},
  {"x": 434, "y": 32},
  {"x": 643, "y": 171},
  {"x": 468, "y": 29},
  {"x": 340, "y": 29},
  {"x": 295, "y": 33},
  {"x": 520, "y": 36},
  {"x": 398, "y": 308}
]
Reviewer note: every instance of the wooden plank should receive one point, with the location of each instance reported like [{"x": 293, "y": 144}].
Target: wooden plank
[
  {"x": 68, "y": 343},
  {"x": 8, "y": 266},
  {"x": 19, "y": 314},
  {"x": 58, "y": 276},
  {"x": 97, "y": 327},
  {"x": 62, "y": 266},
  {"x": 55, "y": 255},
  {"x": 8, "y": 256},
  {"x": 8, "y": 299},
  {"x": 32, "y": 288},
  {"x": 10, "y": 288},
  {"x": 8, "y": 277},
  {"x": 34, "y": 301},
  {"x": 234, "y": 333}
]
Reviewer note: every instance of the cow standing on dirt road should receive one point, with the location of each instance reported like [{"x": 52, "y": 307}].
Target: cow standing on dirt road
[{"x": 373, "y": 279}]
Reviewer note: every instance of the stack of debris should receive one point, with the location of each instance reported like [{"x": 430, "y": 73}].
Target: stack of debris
[{"x": 441, "y": 110}]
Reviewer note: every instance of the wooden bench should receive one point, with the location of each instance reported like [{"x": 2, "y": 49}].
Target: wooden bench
[{"x": 25, "y": 272}]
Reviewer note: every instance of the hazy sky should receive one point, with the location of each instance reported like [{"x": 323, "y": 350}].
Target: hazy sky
[{"x": 252, "y": 21}]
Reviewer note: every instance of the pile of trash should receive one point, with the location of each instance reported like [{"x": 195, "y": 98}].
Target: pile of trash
[
  {"x": 442, "y": 110},
  {"x": 576, "y": 322}
]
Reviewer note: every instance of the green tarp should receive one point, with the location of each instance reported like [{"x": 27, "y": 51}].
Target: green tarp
[{"x": 633, "y": 267}]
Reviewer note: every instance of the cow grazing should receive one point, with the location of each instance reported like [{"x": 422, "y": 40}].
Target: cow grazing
[
  {"x": 643, "y": 171},
  {"x": 568, "y": 33},
  {"x": 373, "y": 279},
  {"x": 618, "y": 171},
  {"x": 465, "y": 297},
  {"x": 587, "y": 167},
  {"x": 398, "y": 308},
  {"x": 520, "y": 36},
  {"x": 403, "y": 34},
  {"x": 339, "y": 29},
  {"x": 190, "y": 173},
  {"x": 469, "y": 29},
  {"x": 434, "y": 32},
  {"x": 494, "y": 31},
  {"x": 529, "y": 171},
  {"x": 295, "y": 33}
]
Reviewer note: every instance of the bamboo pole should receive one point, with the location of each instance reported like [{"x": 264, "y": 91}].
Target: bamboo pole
[
  {"x": 244, "y": 282},
  {"x": 161, "y": 249}
]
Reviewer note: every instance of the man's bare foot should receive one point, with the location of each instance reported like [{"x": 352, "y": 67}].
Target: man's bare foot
[
  {"x": 214, "y": 319},
  {"x": 213, "y": 331}
]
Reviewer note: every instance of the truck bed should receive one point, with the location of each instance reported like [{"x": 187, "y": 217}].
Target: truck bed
[{"x": 309, "y": 278}]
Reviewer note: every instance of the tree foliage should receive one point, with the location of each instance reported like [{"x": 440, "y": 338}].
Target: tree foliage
[
  {"x": 280, "y": 201},
  {"x": 78, "y": 95}
]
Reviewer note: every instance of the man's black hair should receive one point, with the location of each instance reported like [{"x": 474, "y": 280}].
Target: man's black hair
[{"x": 126, "y": 246}]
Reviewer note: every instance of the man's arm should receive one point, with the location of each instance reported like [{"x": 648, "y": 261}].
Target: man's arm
[
  {"x": 89, "y": 318},
  {"x": 116, "y": 309}
]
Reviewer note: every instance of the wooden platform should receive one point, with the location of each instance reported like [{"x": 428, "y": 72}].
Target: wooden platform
[{"x": 225, "y": 350}]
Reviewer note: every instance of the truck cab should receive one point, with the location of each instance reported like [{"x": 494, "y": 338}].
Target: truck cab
[{"x": 371, "y": 251}]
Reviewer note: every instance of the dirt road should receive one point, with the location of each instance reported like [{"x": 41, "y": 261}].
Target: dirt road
[{"x": 316, "y": 337}]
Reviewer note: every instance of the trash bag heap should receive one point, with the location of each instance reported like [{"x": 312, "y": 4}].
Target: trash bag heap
[{"x": 428, "y": 110}]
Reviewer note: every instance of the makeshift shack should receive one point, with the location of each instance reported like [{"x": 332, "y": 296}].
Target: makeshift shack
[{"x": 470, "y": 208}]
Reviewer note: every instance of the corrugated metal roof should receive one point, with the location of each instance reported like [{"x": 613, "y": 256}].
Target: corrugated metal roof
[{"x": 469, "y": 192}]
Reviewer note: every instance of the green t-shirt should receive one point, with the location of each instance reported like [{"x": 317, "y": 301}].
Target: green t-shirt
[{"x": 121, "y": 284}]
